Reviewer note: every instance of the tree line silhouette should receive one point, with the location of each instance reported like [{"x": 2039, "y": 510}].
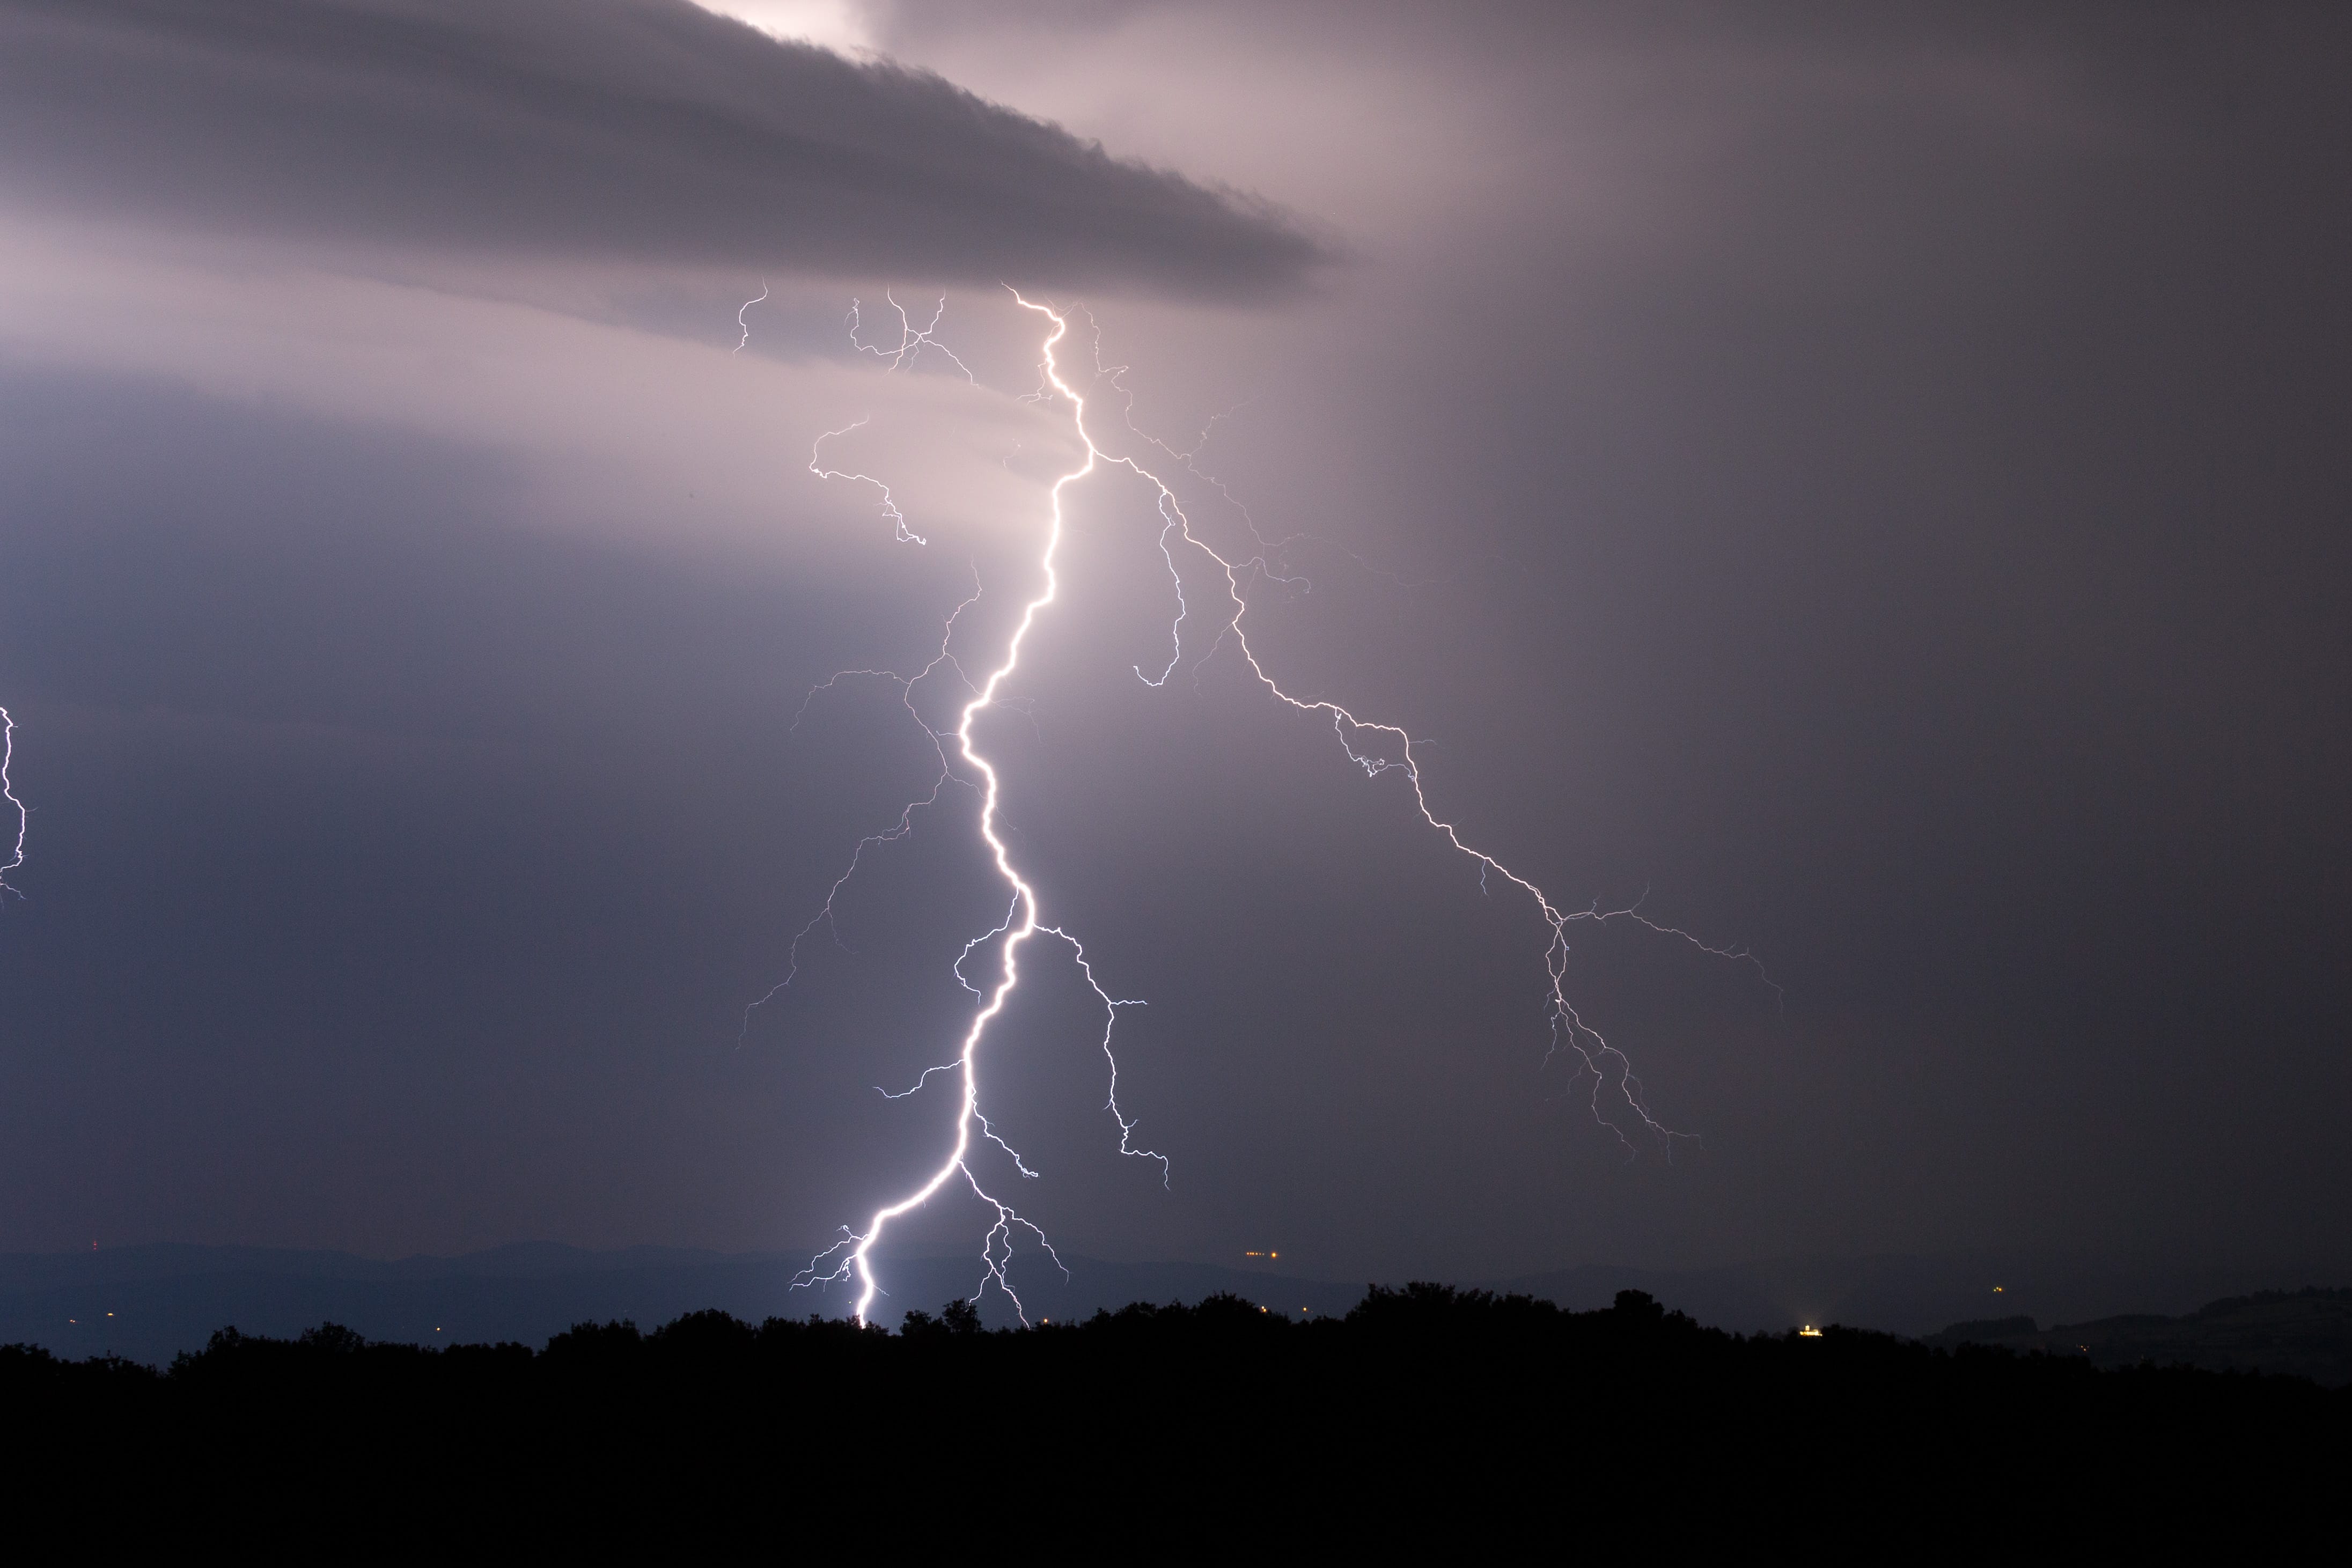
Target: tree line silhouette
[{"x": 1424, "y": 1408}]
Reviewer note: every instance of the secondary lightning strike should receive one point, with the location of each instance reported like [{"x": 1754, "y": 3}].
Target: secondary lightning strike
[
  {"x": 1569, "y": 1028},
  {"x": 912, "y": 340},
  {"x": 742, "y": 317},
  {"x": 909, "y": 340},
  {"x": 8, "y": 793},
  {"x": 898, "y": 519},
  {"x": 1022, "y": 921},
  {"x": 906, "y": 820}
]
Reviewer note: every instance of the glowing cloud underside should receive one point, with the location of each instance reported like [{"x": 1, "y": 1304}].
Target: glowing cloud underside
[{"x": 1374, "y": 746}]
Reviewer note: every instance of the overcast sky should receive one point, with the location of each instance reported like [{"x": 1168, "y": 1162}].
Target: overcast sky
[{"x": 1867, "y": 482}]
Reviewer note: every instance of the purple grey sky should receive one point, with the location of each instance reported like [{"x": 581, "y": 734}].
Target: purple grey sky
[{"x": 1870, "y": 481}]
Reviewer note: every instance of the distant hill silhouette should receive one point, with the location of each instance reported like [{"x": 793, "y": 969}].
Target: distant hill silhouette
[
  {"x": 150, "y": 1304},
  {"x": 167, "y": 1298},
  {"x": 2300, "y": 1333}
]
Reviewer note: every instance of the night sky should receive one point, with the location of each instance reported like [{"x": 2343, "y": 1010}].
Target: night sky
[{"x": 1868, "y": 483}]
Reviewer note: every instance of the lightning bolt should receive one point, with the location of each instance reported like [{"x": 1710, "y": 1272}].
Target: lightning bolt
[
  {"x": 1375, "y": 746},
  {"x": 1020, "y": 925},
  {"x": 905, "y": 824},
  {"x": 912, "y": 339},
  {"x": 1569, "y": 1030},
  {"x": 889, "y": 505},
  {"x": 742, "y": 317},
  {"x": 8, "y": 793}
]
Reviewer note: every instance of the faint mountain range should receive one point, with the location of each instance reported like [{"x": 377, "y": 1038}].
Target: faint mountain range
[
  {"x": 1915, "y": 1296},
  {"x": 151, "y": 1303},
  {"x": 2306, "y": 1333}
]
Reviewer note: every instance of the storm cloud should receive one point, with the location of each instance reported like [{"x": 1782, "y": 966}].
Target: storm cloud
[{"x": 644, "y": 131}]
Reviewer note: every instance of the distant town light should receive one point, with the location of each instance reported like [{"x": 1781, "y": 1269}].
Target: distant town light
[{"x": 1809, "y": 1331}]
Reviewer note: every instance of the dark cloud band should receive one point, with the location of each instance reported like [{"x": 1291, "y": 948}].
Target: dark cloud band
[{"x": 623, "y": 129}]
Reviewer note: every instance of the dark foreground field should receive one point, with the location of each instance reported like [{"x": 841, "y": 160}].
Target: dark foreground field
[{"x": 1448, "y": 1422}]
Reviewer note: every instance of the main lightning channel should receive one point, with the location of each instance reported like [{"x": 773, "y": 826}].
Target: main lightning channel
[{"x": 1021, "y": 924}]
